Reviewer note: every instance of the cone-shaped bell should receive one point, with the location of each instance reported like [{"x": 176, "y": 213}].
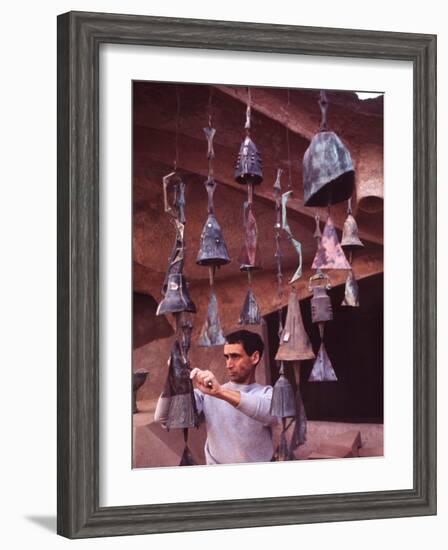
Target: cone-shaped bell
[
  {"x": 176, "y": 298},
  {"x": 321, "y": 309},
  {"x": 294, "y": 344},
  {"x": 328, "y": 174},
  {"x": 322, "y": 370},
  {"x": 250, "y": 314},
  {"x": 212, "y": 247},
  {"x": 350, "y": 235},
  {"x": 248, "y": 167},
  {"x": 211, "y": 333},
  {"x": 249, "y": 257},
  {"x": 351, "y": 296},
  {"x": 182, "y": 412},
  {"x": 282, "y": 402},
  {"x": 329, "y": 254}
]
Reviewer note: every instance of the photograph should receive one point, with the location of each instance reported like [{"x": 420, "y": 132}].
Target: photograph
[{"x": 257, "y": 274}]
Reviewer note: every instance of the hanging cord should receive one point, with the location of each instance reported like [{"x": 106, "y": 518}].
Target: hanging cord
[{"x": 277, "y": 232}]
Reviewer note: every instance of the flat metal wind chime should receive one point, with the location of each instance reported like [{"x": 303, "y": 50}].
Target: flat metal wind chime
[
  {"x": 212, "y": 251},
  {"x": 182, "y": 411},
  {"x": 328, "y": 178},
  {"x": 248, "y": 171},
  {"x": 294, "y": 343}
]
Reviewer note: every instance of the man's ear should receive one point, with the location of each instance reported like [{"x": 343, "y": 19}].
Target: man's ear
[{"x": 255, "y": 357}]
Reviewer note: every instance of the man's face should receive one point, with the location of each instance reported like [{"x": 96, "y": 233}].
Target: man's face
[{"x": 240, "y": 366}]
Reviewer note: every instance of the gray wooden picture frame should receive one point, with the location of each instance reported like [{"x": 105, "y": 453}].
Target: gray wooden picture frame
[{"x": 79, "y": 38}]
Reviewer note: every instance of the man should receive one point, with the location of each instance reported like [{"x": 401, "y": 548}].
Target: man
[{"x": 237, "y": 413}]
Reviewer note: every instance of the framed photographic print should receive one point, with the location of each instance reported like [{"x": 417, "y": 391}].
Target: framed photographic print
[{"x": 223, "y": 184}]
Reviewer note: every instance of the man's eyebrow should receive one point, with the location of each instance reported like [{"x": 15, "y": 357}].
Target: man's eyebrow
[{"x": 232, "y": 355}]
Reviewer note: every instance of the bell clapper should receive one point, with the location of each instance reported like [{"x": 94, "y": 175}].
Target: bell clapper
[{"x": 211, "y": 275}]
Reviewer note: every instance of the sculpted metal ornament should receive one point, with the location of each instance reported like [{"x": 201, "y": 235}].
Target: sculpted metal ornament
[
  {"x": 296, "y": 244},
  {"x": 329, "y": 253},
  {"x": 249, "y": 257},
  {"x": 328, "y": 174}
]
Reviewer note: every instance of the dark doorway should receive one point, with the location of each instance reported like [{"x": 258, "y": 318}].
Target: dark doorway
[{"x": 354, "y": 342}]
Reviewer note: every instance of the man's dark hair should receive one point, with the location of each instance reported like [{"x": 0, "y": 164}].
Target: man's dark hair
[{"x": 251, "y": 341}]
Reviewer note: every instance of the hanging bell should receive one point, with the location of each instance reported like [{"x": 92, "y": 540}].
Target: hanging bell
[
  {"x": 250, "y": 314},
  {"x": 176, "y": 298},
  {"x": 211, "y": 333},
  {"x": 351, "y": 296},
  {"x": 249, "y": 257},
  {"x": 282, "y": 402},
  {"x": 322, "y": 370},
  {"x": 182, "y": 411},
  {"x": 248, "y": 167},
  {"x": 294, "y": 344},
  {"x": 328, "y": 174},
  {"x": 212, "y": 247},
  {"x": 321, "y": 309},
  {"x": 329, "y": 253},
  {"x": 350, "y": 235}
]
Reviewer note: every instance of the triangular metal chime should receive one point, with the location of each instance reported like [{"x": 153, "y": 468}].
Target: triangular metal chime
[
  {"x": 322, "y": 370},
  {"x": 329, "y": 253},
  {"x": 211, "y": 333},
  {"x": 250, "y": 314}
]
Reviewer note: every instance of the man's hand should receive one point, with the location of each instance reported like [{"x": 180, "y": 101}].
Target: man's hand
[{"x": 206, "y": 381}]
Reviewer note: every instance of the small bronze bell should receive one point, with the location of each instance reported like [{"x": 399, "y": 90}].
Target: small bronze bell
[
  {"x": 350, "y": 236},
  {"x": 329, "y": 253},
  {"x": 211, "y": 333},
  {"x": 328, "y": 174},
  {"x": 321, "y": 309},
  {"x": 182, "y": 412},
  {"x": 351, "y": 296},
  {"x": 250, "y": 314},
  {"x": 177, "y": 297},
  {"x": 212, "y": 248},
  {"x": 248, "y": 167},
  {"x": 294, "y": 344},
  {"x": 282, "y": 403}
]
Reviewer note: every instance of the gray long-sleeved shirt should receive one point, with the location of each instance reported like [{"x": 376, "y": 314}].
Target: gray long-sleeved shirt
[{"x": 235, "y": 434}]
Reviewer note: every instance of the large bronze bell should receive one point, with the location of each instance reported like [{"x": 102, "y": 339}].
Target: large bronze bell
[
  {"x": 294, "y": 343},
  {"x": 350, "y": 235},
  {"x": 212, "y": 247},
  {"x": 177, "y": 297},
  {"x": 182, "y": 412},
  {"x": 321, "y": 309},
  {"x": 328, "y": 174},
  {"x": 248, "y": 167},
  {"x": 329, "y": 253}
]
